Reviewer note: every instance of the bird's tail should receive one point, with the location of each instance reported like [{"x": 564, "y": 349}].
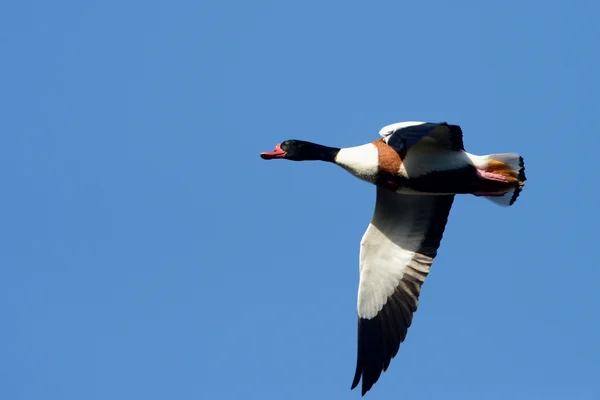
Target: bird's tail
[{"x": 512, "y": 167}]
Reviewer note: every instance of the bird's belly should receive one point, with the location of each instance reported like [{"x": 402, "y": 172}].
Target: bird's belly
[
  {"x": 407, "y": 190},
  {"x": 455, "y": 181}
]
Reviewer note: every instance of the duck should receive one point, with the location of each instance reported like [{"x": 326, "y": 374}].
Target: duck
[{"x": 418, "y": 168}]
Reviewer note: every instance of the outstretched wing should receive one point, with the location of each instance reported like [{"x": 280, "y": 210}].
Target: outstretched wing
[
  {"x": 396, "y": 253},
  {"x": 403, "y": 135}
]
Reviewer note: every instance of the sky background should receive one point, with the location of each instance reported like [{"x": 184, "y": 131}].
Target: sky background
[{"x": 147, "y": 252}]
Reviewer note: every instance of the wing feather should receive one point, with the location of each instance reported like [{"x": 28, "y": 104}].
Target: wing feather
[
  {"x": 402, "y": 136},
  {"x": 397, "y": 251}
]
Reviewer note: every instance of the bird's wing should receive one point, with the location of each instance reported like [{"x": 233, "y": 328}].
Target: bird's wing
[
  {"x": 396, "y": 253},
  {"x": 403, "y": 135}
]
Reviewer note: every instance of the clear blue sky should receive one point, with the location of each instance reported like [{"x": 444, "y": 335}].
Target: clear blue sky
[{"x": 147, "y": 252}]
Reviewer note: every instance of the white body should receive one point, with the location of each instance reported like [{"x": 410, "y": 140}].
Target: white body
[{"x": 363, "y": 162}]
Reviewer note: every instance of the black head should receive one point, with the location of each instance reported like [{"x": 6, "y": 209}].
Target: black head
[{"x": 299, "y": 150}]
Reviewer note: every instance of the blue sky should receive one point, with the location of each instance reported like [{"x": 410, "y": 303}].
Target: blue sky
[{"x": 149, "y": 253}]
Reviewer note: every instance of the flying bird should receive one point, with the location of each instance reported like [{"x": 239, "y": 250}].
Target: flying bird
[{"x": 417, "y": 168}]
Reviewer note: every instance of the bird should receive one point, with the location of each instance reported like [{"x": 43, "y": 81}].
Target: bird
[{"x": 417, "y": 168}]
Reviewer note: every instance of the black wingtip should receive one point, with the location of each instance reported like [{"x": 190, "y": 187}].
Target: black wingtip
[
  {"x": 372, "y": 352},
  {"x": 364, "y": 389},
  {"x": 356, "y": 380}
]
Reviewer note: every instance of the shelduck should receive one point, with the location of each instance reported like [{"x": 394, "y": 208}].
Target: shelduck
[{"x": 417, "y": 168}]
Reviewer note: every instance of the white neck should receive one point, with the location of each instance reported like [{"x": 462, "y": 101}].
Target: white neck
[{"x": 360, "y": 161}]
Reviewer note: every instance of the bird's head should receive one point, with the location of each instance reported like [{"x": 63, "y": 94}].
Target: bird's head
[{"x": 299, "y": 150}]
